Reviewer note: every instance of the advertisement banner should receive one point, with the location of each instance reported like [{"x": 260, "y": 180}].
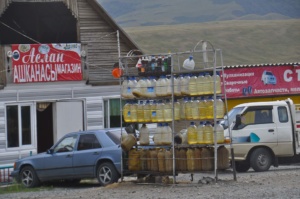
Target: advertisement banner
[
  {"x": 261, "y": 81},
  {"x": 46, "y": 62}
]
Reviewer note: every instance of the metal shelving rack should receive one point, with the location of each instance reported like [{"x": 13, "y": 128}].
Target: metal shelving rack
[{"x": 205, "y": 63}]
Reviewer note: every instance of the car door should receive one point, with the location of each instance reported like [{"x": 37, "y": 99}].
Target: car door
[
  {"x": 59, "y": 164},
  {"x": 257, "y": 128},
  {"x": 85, "y": 157}
]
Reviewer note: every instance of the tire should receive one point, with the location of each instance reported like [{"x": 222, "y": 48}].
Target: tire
[
  {"x": 242, "y": 166},
  {"x": 261, "y": 160},
  {"x": 107, "y": 174},
  {"x": 28, "y": 177}
]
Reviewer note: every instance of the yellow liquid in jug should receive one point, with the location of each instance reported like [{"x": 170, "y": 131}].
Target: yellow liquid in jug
[
  {"x": 140, "y": 113},
  {"x": 208, "y": 134},
  {"x": 209, "y": 109},
  {"x": 147, "y": 113},
  {"x": 193, "y": 86},
  {"x": 126, "y": 113},
  {"x": 192, "y": 135}
]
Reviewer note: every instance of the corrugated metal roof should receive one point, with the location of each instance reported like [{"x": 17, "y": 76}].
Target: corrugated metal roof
[{"x": 261, "y": 65}]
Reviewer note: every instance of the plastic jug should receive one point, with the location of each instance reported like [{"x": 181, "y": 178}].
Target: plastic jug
[
  {"x": 207, "y": 156},
  {"x": 200, "y": 133},
  {"x": 133, "y": 111},
  {"x": 220, "y": 108},
  {"x": 153, "y": 111},
  {"x": 192, "y": 134},
  {"x": 207, "y": 84},
  {"x": 168, "y": 113},
  {"x": 218, "y": 83},
  {"x": 192, "y": 87},
  {"x": 200, "y": 84},
  {"x": 134, "y": 160},
  {"x": 169, "y": 88},
  {"x": 131, "y": 85},
  {"x": 198, "y": 159},
  {"x": 140, "y": 112},
  {"x": 176, "y": 110},
  {"x": 161, "y": 160},
  {"x": 147, "y": 111},
  {"x": 223, "y": 158},
  {"x": 151, "y": 90},
  {"x": 184, "y": 85},
  {"x": 190, "y": 155},
  {"x": 166, "y": 134},
  {"x": 144, "y": 135},
  {"x": 126, "y": 112},
  {"x": 220, "y": 133},
  {"x": 157, "y": 138},
  {"x": 210, "y": 108},
  {"x": 143, "y": 160},
  {"x": 182, "y": 108},
  {"x": 160, "y": 111},
  {"x": 128, "y": 142},
  {"x": 195, "y": 109},
  {"x": 177, "y": 91},
  {"x": 125, "y": 87},
  {"x": 140, "y": 88},
  {"x": 202, "y": 108},
  {"x": 169, "y": 161},
  {"x": 208, "y": 133},
  {"x": 188, "y": 109}
]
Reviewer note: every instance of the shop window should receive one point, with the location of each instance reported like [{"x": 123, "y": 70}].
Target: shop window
[
  {"x": 19, "y": 125},
  {"x": 112, "y": 113}
]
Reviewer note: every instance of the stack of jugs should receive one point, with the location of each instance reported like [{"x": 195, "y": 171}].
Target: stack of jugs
[
  {"x": 192, "y": 134},
  {"x": 140, "y": 112},
  {"x": 200, "y": 133},
  {"x": 144, "y": 135},
  {"x": 220, "y": 133},
  {"x": 220, "y": 108},
  {"x": 208, "y": 133}
]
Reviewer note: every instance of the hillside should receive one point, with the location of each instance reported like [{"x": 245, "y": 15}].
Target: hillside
[
  {"x": 167, "y": 12},
  {"x": 242, "y": 42}
]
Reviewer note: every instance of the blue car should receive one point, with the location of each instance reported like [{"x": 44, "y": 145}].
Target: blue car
[{"x": 85, "y": 154}]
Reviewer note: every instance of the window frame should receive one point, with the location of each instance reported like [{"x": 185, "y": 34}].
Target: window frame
[{"x": 20, "y": 128}]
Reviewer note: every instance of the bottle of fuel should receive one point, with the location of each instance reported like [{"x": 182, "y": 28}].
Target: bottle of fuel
[{"x": 192, "y": 134}]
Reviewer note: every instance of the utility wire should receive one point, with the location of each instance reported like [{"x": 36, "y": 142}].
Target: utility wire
[{"x": 35, "y": 41}]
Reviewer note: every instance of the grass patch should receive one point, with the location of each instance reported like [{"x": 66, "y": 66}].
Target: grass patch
[{"x": 17, "y": 188}]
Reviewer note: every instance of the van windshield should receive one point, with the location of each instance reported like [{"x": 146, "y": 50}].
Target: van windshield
[{"x": 231, "y": 116}]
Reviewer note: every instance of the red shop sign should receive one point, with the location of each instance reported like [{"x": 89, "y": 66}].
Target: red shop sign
[
  {"x": 262, "y": 81},
  {"x": 46, "y": 62}
]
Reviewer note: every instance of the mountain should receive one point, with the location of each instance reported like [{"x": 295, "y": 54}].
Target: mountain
[{"x": 169, "y": 12}]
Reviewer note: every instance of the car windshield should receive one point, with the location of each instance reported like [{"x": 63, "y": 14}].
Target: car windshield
[
  {"x": 269, "y": 73},
  {"x": 114, "y": 136},
  {"x": 231, "y": 116}
]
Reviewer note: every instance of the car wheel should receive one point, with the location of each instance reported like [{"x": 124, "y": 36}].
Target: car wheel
[
  {"x": 107, "y": 174},
  {"x": 242, "y": 166},
  {"x": 261, "y": 160},
  {"x": 28, "y": 177}
]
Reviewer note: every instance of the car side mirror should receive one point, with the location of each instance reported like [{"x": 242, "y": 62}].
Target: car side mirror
[
  {"x": 50, "y": 151},
  {"x": 238, "y": 121}
]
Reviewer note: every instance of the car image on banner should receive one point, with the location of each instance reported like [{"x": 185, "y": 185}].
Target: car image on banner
[{"x": 268, "y": 78}]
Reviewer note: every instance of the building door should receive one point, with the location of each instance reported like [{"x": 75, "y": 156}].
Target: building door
[{"x": 68, "y": 116}]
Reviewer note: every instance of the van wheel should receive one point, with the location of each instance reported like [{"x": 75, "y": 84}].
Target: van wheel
[
  {"x": 242, "y": 166},
  {"x": 28, "y": 177},
  {"x": 107, "y": 174},
  {"x": 261, "y": 160}
]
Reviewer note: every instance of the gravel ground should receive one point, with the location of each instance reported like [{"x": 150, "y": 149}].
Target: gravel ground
[{"x": 282, "y": 182}]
